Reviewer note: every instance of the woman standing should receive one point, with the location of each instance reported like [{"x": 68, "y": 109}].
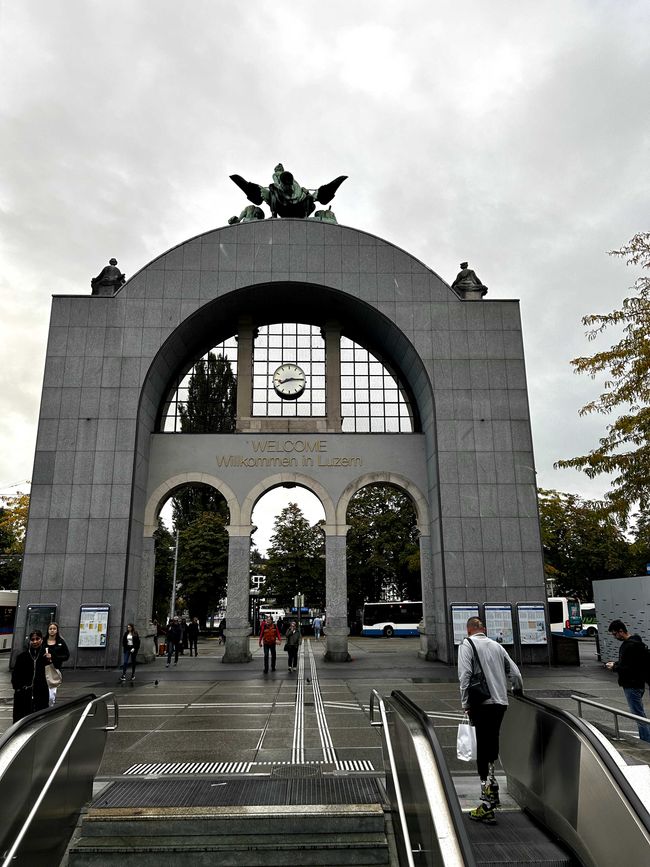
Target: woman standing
[
  {"x": 292, "y": 640},
  {"x": 58, "y": 652},
  {"x": 130, "y": 646},
  {"x": 28, "y": 678}
]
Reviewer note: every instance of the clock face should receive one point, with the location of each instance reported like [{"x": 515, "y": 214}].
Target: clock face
[{"x": 289, "y": 381}]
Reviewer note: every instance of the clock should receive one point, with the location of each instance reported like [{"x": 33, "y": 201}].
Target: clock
[{"x": 289, "y": 381}]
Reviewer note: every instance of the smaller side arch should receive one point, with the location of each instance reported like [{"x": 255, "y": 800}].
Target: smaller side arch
[
  {"x": 151, "y": 509},
  {"x": 419, "y": 501},
  {"x": 280, "y": 479}
]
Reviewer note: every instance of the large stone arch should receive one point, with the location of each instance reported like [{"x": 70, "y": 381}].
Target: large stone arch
[
  {"x": 289, "y": 479},
  {"x": 164, "y": 491},
  {"x": 110, "y": 361}
]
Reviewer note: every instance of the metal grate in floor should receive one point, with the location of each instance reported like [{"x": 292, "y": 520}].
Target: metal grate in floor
[
  {"x": 514, "y": 840},
  {"x": 271, "y": 791}
]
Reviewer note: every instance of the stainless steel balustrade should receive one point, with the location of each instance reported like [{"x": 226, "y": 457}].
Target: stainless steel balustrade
[
  {"x": 48, "y": 762},
  {"x": 569, "y": 779},
  {"x": 613, "y": 710},
  {"x": 430, "y": 823}
]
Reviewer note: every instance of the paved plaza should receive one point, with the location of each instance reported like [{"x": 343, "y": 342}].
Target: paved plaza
[{"x": 205, "y": 717}]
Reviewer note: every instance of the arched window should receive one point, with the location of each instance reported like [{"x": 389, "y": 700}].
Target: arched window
[{"x": 372, "y": 398}]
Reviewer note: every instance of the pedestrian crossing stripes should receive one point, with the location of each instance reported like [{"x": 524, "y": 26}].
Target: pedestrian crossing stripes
[{"x": 160, "y": 768}]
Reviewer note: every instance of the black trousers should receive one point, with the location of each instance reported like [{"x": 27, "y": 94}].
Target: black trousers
[
  {"x": 193, "y": 646},
  {"x": 269, "y": 648},
  {"x": 487, "y": 719},
  {"x": 292, "y": 653}
]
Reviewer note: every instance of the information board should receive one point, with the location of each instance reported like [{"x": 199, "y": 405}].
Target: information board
[
  {"x": 38, "y": 617},
  {"x": 460, "y": 614},
  {"x": 498, "y": 623},
  {"x": 93, "y": 625},
  {"x": 532, "y": 623}
]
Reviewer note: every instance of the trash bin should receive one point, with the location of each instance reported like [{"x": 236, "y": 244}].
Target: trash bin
[{"x": 564, "y": 650}]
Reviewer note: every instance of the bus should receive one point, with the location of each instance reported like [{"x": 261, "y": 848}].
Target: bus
[
  {"x": 564, "y": 615},
  {"x": 8, "y": 600},
  {"x": 391, "y": 618},
  {"x": 589, "y": 625}
]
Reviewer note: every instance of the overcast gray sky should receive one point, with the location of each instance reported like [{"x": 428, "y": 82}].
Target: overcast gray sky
[{"x": 511, "y": 133}]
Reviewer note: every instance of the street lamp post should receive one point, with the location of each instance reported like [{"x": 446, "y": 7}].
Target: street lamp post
[{"x": 172, "y": 603}]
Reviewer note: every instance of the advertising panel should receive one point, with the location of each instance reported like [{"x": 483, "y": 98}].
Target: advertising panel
[{"x": 93, "y": 625}]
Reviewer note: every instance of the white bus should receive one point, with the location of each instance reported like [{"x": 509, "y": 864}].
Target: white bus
[
  {"x": 564, "y": 615},
  {"x": 391, "y": 618},
  {"x": 8, "y": 600}
]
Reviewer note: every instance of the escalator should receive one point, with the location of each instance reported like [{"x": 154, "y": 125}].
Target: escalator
[{"x": 576, "y": 805}]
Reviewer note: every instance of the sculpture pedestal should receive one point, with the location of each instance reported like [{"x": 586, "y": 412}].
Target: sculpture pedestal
[{"x": 237, "y": 645}]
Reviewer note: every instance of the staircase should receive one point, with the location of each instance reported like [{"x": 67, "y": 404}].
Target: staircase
[{"x": 243, "y": 822}]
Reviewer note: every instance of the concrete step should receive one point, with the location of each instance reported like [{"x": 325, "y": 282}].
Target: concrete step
[
  {"x": 253, "y": 821},
  {"x": 242, "y": 850}
]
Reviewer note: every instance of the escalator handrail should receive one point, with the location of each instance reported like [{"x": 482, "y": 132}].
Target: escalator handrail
[
  {"x": 446, "y": 779},
  {"x": 17, "y": 729},
  {"x": 579, "y": 725},
  {"x": 47, "y": 713},
  {"x": 374, "y": 696}
]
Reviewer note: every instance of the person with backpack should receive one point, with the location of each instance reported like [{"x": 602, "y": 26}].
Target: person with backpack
[
  {"x": 481, "y": 658},
  {"x": 632, "y": 670},
  {"x": 270, "y": 637}
]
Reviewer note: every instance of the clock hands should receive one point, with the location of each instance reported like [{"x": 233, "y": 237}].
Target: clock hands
[{"x": 289, "y": 379}]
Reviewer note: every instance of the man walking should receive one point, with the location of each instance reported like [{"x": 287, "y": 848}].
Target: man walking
[
  {"x": 174, "y": 640},
  {"x": 478, "y": 652},
  {"x": 318, "y": 625},
  {"x": 269, "y": 638},
  {"x": 193, "y": 629},
  {"x": 631, "y": 670}
]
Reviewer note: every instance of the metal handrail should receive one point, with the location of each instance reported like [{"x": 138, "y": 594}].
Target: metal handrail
[
  {"x": 613, "y": 710},
  {"x": 374, "y": 695},
  {"x": 87, "y": 712}
]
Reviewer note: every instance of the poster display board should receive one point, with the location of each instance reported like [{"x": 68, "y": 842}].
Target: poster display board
[
  {"x": 460, "y": 614},
  {"x": 498, "y": 623},
  {"x": 93, "y": 625},
  {"x": 532, "y": 623},
  {"x": 38, "y": 617}
]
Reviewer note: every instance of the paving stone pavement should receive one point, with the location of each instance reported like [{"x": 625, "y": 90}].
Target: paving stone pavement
[{"x": 203, "y": 716}]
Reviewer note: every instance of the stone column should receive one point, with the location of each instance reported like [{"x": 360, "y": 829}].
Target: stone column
[
  {"x": 336, "y": 596},
  {"x": 237, "y": 626},
  {"x": 331, "y": 333},
  {"x": 144, "y": 626},
  {"x": 428, "y": 641},
  {"x": 245, "y": 339}
]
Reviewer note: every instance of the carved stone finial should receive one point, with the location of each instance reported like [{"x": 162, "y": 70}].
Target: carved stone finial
[
  {"x": 109, "y": 280},
  {"x": 468, "y": 285}
]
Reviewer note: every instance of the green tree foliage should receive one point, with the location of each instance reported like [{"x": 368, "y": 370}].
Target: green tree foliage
[
  {"x": 211, "y": 397},
  {"x": 640, "y": 546},
  {"x": 624, "y": 450},
  {"x": 203, "y": 563},
  {"x": 582, "y": 542},
  {"x": 164, "y": 544},
  {"x": 13, "y": 524},
  {"x": 382, "y": 546},
  {"x": 296, "y": 559}
]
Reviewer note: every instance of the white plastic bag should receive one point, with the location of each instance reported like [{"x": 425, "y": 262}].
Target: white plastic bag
[{"x": 466, "y": 742}]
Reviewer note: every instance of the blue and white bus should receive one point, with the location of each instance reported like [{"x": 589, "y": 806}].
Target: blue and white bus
[
  {"x": 8, "y": 600},
  {"x": 391, "y": 618}
]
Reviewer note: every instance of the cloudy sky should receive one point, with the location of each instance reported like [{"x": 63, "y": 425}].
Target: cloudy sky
[{"x": 511, "y": 133}]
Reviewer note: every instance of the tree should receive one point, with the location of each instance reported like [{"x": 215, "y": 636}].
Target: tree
[
  {"x": 625, "y": 448},
  {"x": 383, "y": 552},
  {"x": 211, "y": 397},
  {"x": 163, "y": 572},
  {"x": 582, "y": 542},
  {"x": 296, "y": 559},
  {"x": 203, "y": 563},
  {"x": 13, "y": 524}
]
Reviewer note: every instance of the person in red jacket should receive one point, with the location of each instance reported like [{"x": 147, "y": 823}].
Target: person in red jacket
[{"x": 269, "y": 639}]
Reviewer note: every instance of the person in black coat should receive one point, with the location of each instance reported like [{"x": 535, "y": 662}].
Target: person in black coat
[
  {"x": 56, "y": 647},
  {"x": 193, "y": 629},
  {"x": 174, "y": 640},
  {"x": 130, "y": 646},
  {"x": 31, "y": 692}
]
